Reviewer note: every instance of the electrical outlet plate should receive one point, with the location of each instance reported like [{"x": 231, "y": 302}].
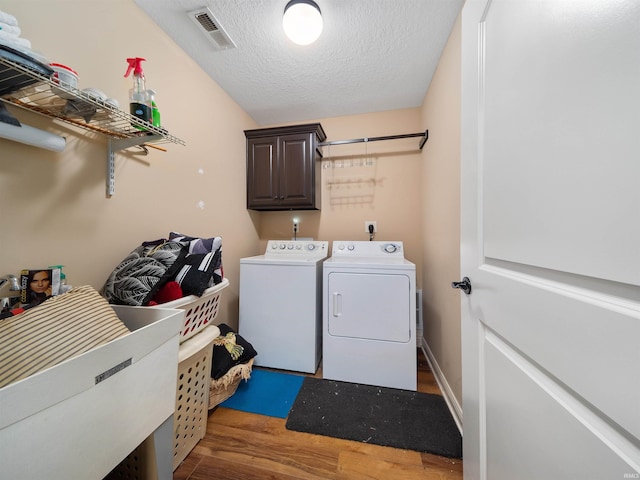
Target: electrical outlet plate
[{"x": 366, "y": 226}]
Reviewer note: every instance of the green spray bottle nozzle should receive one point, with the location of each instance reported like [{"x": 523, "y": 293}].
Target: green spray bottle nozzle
[{"x": 135, "y": 64}]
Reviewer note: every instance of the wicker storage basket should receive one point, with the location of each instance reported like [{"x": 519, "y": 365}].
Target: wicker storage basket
[
  {"x": 190, "y": 416},
  {"x": 227, "y": 385},
  {"x": 199, "y": 311},
  {"x": 192, "y": 395},
  {"x": 138, "y": 465}
]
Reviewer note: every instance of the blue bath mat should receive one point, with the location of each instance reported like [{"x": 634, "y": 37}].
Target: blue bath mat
[{"x": 266, "y": 393}]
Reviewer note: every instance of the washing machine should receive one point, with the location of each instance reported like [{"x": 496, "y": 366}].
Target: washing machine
[
  {"x": 369, "y": 319},
  {"x": 281, "y": 304}
]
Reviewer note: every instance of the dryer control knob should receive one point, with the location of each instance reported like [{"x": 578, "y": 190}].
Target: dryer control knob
[
  {"x": 341, "y": 247},
  {"x": 390, "y": 248},
  {"x": 351, "y": 248}
]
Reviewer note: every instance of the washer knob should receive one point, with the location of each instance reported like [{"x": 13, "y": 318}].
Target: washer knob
[
  {"x": 282, "y": 246},
  {"x": 311, "y": 247},
  {"x": 298, "y": 247}
]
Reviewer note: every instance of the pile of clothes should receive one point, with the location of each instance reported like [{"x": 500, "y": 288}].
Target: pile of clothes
[
  {"x": 163, "y": 270},
  {"x": 229, "y": 350},
  {"x": 232, "y": 362}
]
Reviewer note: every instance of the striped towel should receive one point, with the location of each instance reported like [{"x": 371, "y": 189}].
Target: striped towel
[{"x": 60, "y": 328}]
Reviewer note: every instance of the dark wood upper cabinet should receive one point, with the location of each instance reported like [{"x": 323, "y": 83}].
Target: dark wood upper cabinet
[{"x": 283, "y": 167}]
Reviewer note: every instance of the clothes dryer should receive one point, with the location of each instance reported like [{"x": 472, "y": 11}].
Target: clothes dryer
[
  {"x": 369, "y": 320},
  {"x": 281, "y": 304}
]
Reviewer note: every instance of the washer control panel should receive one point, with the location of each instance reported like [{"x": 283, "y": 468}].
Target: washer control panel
[
  {"x": 367, "y": 249},
  {"x": 297, "y": 249}
]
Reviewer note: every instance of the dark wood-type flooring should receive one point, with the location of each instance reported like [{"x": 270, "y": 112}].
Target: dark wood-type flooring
[{"x": 246, "y": 446}]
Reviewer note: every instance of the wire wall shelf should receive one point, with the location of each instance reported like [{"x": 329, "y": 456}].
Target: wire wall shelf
[
  {"x": 26, "y": 85},
  {"x": 34, "y": 91}
]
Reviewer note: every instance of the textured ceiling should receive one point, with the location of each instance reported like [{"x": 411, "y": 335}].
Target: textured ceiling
[{"x": 373, "y": 55}]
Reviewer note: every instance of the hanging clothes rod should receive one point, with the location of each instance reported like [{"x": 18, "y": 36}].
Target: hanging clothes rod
[{"x": 424, "y": 135}]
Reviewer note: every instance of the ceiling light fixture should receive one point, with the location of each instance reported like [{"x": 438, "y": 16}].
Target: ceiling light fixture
[{"x": 302, "y": 21}]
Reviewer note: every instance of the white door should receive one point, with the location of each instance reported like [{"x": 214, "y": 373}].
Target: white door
[
  {"x": 551, "y": 239},
  {"x": 370, "y": 306}
]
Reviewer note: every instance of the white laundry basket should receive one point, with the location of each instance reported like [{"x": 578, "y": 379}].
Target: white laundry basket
[
  {"x": 193, "y": 384},
  {"x": 192, "y": 392},
  {"x": 199, "y": 311}
]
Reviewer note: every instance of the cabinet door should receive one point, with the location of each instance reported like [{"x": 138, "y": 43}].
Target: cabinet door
[
  {"x": 369, "y": 306},
  {"x": 262, "y": 168},
  {"x": 297, "y": 175}
]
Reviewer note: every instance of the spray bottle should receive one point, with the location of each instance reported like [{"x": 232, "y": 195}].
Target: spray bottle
[
  {"x": 155, "y": 112},
  {"x": 139, "y": 104}
]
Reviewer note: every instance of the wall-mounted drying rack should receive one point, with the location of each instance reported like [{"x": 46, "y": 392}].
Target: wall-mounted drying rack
[
  {"x": 23, "y": 84},
  {"x": 424, "y": 135}
]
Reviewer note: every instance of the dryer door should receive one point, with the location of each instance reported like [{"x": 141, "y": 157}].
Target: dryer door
[{"x": 372, "y": 306}]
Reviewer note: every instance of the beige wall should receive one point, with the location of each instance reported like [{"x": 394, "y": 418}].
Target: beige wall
[
  {"x": 56, "y": 203},
  {"x": 377, "y": 181},
  {"x": 441, "y": 215},
  {"x": 54, "y": 207},
  {"x": 55, "y": 210}
]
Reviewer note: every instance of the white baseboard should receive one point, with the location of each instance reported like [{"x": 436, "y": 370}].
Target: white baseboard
[{"x": 447, "y": 393}]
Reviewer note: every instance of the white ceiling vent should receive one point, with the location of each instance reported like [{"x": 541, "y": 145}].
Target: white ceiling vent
[{"x": 211, "y": 28}]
